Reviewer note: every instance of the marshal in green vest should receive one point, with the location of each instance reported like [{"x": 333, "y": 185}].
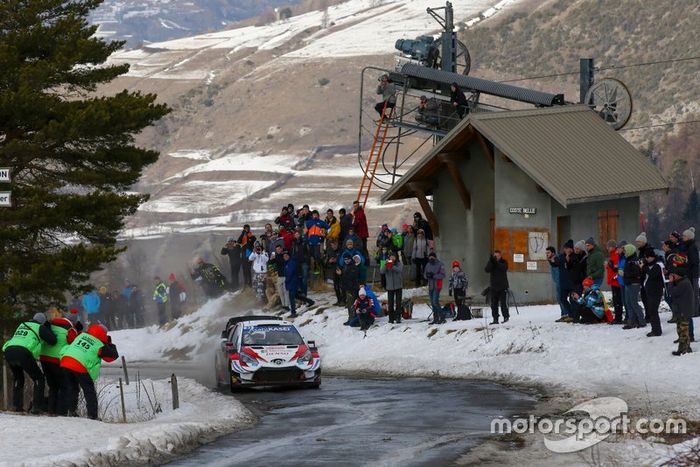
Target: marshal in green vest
[
  {"x": 27, "y": 336},
  {"x": 54, "y": 351},
  {"x": 86, "y": 350}
]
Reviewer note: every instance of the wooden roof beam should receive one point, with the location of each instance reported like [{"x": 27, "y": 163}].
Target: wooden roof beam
[
  {"x": 450, "y": 160},
  {"x": 419, "y": 189}
]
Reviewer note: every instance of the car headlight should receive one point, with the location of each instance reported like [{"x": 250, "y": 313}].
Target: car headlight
[
  {"x": 248, "y": 360},
  {"x": 306, "y": 358}
]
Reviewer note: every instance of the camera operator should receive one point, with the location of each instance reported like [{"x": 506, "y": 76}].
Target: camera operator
[
  {"x": 232, "y": 249},
  {"x": 259, "y": 259},
  {"x": 497, "y": 267}
]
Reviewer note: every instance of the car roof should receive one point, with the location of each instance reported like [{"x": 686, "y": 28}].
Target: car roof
[
  {"x": 267, "y": 323},
  {"x": 240, "y": 319}
]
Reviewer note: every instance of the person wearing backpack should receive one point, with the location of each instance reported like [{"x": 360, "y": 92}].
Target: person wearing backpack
[
  {"x": 81, "y": 361},
  {"x": 21, "y": 353},
  {"x": 458, "y": 290},
  {"x": 653, "y": 284}
]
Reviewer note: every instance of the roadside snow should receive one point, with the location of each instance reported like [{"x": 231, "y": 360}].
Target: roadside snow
[
  {"x": 40, "y": 441},
  {"x": 577, "y": 361}
]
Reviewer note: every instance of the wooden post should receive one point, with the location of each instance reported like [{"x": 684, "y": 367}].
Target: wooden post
[
  {"x": 121, "y": 395},
  {"x": 126, "y": 372},
  {"x": 449, "y": 159},
  {"x": 5, "y": 387},
  {"x": 418, "y": 190},
  {"x": 176, "y": 394}
]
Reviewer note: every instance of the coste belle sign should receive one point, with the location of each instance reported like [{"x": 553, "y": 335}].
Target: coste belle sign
[{"x": 522, "y": 210}]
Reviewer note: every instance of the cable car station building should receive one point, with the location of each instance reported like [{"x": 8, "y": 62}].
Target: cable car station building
[{"x": 522, "y": 180}]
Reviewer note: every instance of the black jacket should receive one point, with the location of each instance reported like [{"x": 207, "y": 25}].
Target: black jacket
[
  {"x": 233, "y": 253},
  {"x": 498, "y": 269},
  {"x": 632, "y": 271},
  {"x": 350, "y": 278},
  {"x": 300, "y": 251},
  {"x": 682, "y": 298},
  {"x": 425, "y": 225},
  {"x": 691, "y": 249},
  {"x": 653, "y": 280},
  {"x": 345, "y": 226},
  {"x": 575, "y": 267}
]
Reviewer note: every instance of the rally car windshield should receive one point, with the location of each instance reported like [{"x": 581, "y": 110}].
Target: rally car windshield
[{"x": 271, "y": 335}]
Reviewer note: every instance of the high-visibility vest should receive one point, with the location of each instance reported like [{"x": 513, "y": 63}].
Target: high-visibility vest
[
  {"x": 54, "y": 351},
  {"x": 86, "y": 350},
  {"x": 26, "y": 335}
]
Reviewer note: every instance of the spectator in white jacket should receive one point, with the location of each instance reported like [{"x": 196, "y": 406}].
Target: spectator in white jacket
[{"x": 259, "y": 259}]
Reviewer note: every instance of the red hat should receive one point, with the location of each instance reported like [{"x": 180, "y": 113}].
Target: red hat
[
  {"x": 587, "y": 282},
  {"x": 98, "y": 331},
  {"x": 455, "y": 264},
  {"x": 172, "y": 277},
  {"x": 73, "y": 311}
]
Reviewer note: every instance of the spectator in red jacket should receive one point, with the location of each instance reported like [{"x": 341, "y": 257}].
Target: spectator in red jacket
[
  {"x": 359, "y": 225},
  {"x": 611, "y": 266}
]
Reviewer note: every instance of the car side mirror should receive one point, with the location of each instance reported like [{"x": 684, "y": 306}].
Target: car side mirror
[
  {"x": 311, "y": 344},
  {"x": 224, "y": 334}
]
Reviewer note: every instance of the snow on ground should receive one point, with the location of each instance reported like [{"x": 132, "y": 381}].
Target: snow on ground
[
  {"x": 585, "y": 361},
  {"x": 194, "y": 154},
  {"x": 147, "y": 437}
]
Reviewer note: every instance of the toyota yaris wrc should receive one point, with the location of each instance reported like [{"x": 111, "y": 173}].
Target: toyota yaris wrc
[{"x": 265, "y": 351}]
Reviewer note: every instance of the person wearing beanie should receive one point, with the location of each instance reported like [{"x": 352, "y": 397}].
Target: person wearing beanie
[
  {"x": 693, "y": 268},
  {"x": 653, "y": 285},
  {"x": 393, "y": 272},
  {"x": 21, "y": 352},
  {"x": 458, "y": 290},
  {"x": 595, "y": 262},
  {"x": 591, "y": 303},
  {"x": 364, "y": 310},
  {"x": 641, "y": 241},
  {"x": 434, "y": 273},
  {"x": 349, "y": 274},
  {"x": 555, "y": 271},
  {"x": 575, "y": 265},
  {"x": 497, "y": 268},
  {"x": 81, "y": 362},
  {"x": 50, "y": 356},
  {"x": 681, "y": 292},
  {"x": 612, "y": 264},
  {"x": 177, "y": 295},
  {"x": 632, "y": 275}
]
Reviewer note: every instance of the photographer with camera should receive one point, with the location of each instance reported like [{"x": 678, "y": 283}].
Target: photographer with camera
[
  {"x": 387, "y": 89},
  {"x": 497, "y": 267},
  {"x": 232, "y": 249}
]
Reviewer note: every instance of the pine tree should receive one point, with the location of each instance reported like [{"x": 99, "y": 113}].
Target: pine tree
[{"x": 71, "y": 151}]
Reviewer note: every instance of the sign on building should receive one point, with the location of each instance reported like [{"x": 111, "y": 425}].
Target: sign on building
[
  {"x": 5, "y": 199},
  {"x": 4, "y": 175},
  {"x": 522, "y": 211}
]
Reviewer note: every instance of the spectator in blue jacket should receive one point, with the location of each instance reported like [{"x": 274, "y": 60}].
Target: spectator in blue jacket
[
  {"x": 315, "y": 233},
  {"x": 350, "y": 251},
  {"x": 291, "y": 281},
  {"x": 91, "y": 305}
]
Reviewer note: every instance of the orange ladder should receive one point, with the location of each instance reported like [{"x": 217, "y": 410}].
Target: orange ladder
[{"x": 375, "y": 154}]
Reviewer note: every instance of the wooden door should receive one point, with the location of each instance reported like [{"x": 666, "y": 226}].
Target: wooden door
[{"x": 607, "y": 226}]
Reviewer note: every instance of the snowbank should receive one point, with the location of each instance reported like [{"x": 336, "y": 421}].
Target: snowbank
[
  {"x": 577, "y": 362},
  {"x": 36, "y": 441}
]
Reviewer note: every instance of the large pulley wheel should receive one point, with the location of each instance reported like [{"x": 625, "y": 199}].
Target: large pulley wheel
[
  {"x": 463, "y": 62},
  {"x": 611, "y": 100}
]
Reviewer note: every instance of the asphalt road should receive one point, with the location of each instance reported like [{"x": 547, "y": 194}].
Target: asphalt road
[{"x": 377, "y": 422}]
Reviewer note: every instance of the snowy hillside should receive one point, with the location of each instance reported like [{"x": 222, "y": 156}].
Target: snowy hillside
[
  {"x": 350, "y": 29},
  {"x": 267, "y": 115},
  {"x": 138, "y": 21}
]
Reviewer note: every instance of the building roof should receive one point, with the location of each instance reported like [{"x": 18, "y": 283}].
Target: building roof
[{"x": 569, "y": 151}]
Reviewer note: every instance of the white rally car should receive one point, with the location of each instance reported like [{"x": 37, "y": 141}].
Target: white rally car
[{"x": 265, "y": 351}]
